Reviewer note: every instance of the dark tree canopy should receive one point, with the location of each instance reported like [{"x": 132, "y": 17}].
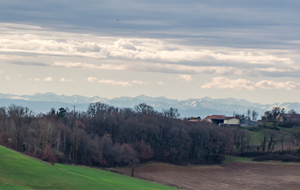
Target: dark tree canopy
[
  {"x": 143, "y": 108},
  {"x": 107, "y": 136}
]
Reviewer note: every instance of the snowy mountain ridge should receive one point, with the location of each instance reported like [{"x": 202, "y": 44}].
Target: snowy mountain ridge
[{"x": 191, "y": 107}]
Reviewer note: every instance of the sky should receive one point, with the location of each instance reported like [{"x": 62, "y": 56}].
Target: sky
[{"x": 177, "y": 49}]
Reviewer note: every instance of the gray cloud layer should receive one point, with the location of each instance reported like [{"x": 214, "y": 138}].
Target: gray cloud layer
[
  {"x": 139, "y": 54},
  {"x": 247, "y": 23}
]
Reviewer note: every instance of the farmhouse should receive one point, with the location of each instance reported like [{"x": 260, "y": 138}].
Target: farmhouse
[
  {"x": 231, "y": 121},
  {"x": 222, "y": 120},
  {"x": 215, "y": 119},
  {"x": 290, "y": 118}
]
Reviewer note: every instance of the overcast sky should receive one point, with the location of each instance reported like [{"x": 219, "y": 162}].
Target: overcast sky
[{"x": 177, "y": 49}]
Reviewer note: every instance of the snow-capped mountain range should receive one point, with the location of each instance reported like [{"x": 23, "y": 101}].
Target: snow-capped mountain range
[{"x": 187, "y": 108}]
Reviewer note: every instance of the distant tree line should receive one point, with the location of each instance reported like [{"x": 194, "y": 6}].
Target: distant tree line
[
  {"x": 250, "y": 115},
  {"x": 272, "y": 137},
  {"x": 108, "y": 136}
]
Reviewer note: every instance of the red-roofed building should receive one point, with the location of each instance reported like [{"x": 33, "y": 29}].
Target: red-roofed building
[
  {"x": 222, "y": 120},
  {"x": 208, "y": 118}
]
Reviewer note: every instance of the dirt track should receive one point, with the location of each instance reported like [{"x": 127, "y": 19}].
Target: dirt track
[{"x": 238, "y": 175}]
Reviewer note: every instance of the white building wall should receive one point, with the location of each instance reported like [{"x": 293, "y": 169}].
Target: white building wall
[{"x": 233, "y": 121}]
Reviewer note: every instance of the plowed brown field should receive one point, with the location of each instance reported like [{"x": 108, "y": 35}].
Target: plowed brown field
[{"x": 237, "y": 175}]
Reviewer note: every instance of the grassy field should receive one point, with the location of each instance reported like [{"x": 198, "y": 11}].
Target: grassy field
[
  {"x": 18, "y": 171},
  {"x": 255, "y": 137},
  {"x": 230, "y": 159}
]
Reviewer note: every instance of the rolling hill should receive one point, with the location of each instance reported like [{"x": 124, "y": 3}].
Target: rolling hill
[{"x": 18, "y": 171}]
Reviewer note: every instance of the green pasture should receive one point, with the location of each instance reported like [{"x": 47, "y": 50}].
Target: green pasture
[
  {"x": 255, "y": 138},
  {"x": 231, "y": 159},
  {"x": 18, "y": 171}
]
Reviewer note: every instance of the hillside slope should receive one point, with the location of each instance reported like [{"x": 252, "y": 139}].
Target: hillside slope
[{"x": 18, "y": 171}]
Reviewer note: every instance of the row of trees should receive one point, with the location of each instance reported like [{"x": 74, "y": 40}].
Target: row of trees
[
  {"x": 250, "y": 115},
  {"x": 268, "y": 135},
  {"x": 268, "y": 139},
  {"x": 108, "y": 136}
]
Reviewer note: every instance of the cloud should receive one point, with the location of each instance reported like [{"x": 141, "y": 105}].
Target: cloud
[
  {"x": 172, "y": 19},
  {"x": 162, "y": 53},
  {"x": 92, "y": 79},
  {"x": 1, "y": 71},
  {"x": 160, "y": 67},
  {"x": 7, "y": 77},
  {"x": 89, "y": 66},
  {"x": 113, "y": 82},
  {"x": 187, "y": 78},
  {"x": 267, "y": 84},
  {"x": 125, "y": 44},
  {"x": 110, "y": 81},
  {"x": 73, "y": 65},
  {"x": 35, "y": 79},
  {"x": 225, "y": 83},
  {"x": 66, "y": 80},
  {"x": 134, "y": 49},
  {"x": 139, "y": 82},
  {"x": 155, "y": 67},
  {"x": 160, "y": 83},
  {"x": 48, "y": 79},
  {"x": 243, "y": 84},
  {"x": 141, "y": 53},
  {"x": 9, "y": 57},
  {"x": 187, "y": 69},
  {"x": 149, "y": 49},
  {"x": 28, "y": 63},
  {"x": 272, "y": 70}
]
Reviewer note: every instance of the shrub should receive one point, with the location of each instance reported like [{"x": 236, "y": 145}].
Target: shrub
[
  {"x": 251, "y": 154},
  {"x": 215, "y": 159},
  {"x": 4, "y": 138},
  {"x": 277, "y": 157},
  {"x": 48, "y": 155},
  {"x": 290, "y": 158},
  {"x": 286, "y": 125},
  {"x": 259, "y": 159},
  {"x": 60, "y": 157},
  {"x": 254, "y": 129},
  {"x": 144, "y": 151}
]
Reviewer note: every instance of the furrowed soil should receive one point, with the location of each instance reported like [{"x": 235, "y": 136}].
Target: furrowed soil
[{"x": 234, "y": 176}]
